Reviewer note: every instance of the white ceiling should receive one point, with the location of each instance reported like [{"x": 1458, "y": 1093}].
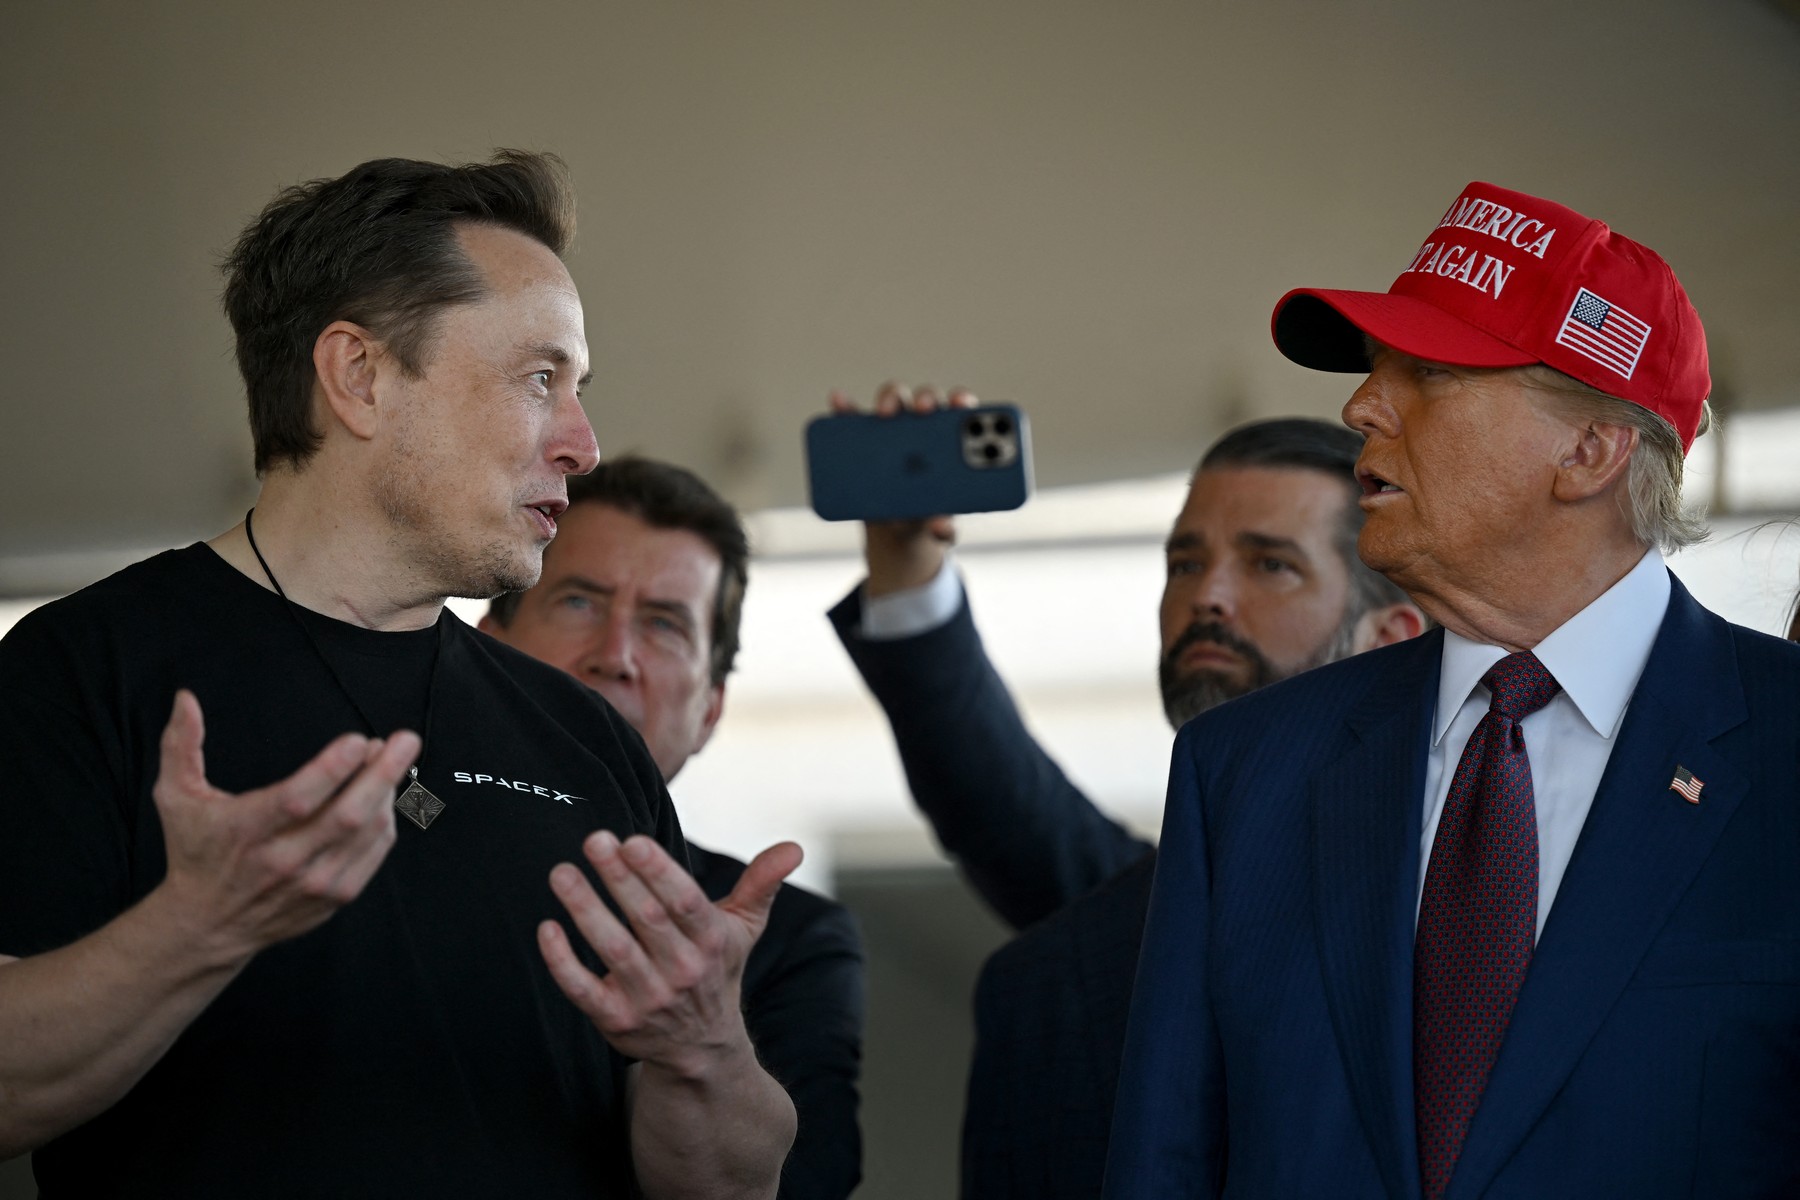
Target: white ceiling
[{"x": 1084, "y": 208}]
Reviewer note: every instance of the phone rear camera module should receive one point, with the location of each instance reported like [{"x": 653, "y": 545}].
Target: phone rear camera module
[{"x": 989, "y": 440}]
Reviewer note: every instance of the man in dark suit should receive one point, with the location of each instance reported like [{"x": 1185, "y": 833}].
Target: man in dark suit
[
  {"x": 1510, "y": 910},
  {"x": 1262, "y": 582},
  {"x": 641, "y": 598}
]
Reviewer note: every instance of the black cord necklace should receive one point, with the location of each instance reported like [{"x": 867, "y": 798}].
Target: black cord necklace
[{"x": 416, "y": 803}]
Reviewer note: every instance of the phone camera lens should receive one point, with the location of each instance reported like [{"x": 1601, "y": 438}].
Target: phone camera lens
[
  {"x": 990, "y": 452},
  {"x": 1002, "y": 426}
]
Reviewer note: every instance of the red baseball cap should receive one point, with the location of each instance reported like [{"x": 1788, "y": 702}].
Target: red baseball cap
[{"x": 1507, "y": 279}]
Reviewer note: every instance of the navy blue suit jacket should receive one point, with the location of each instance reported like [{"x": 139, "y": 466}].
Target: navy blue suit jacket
[
  {"x": 1050, "y": 1013},
  {"x": 1654, "y": 1050},
  {"x": 1025, "y": 836}
]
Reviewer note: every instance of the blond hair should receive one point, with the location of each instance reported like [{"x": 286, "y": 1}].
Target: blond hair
[{"x": 1651, "y": 500}]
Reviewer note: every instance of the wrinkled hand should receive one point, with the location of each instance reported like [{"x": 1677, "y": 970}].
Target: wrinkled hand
[
  {"x": 253, "y": 869},
  {"x": 906, "y": 554},
  {"x": 671, "y": 994}
]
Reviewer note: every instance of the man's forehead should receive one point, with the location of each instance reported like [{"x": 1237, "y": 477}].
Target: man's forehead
[
  {"x": 507, "y": 256},
  {"x": 1235, "y": 499},
  {"x": 518, "y": 268},
  {"x": 1510, "y": 375},
  {"x": 604, "y": 544}
]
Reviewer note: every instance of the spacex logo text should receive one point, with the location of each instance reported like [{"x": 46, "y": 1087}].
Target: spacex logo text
[{"x": 515, "y": 785}]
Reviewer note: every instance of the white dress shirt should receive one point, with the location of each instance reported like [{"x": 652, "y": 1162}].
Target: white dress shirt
[
  {"x": 915, "y": 610},
  {"x": 1596, "y": 656}
]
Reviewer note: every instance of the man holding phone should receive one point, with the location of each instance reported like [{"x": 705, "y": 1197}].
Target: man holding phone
[{"x": 1263, "y": 582}]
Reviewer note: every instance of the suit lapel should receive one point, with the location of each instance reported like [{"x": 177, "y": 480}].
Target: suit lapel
[
  {"x": 1638, "y": 852},
  {"x": 1365, "y": 855}
]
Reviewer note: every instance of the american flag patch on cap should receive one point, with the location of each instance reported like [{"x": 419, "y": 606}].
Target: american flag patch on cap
[
  {"x": 1685, "y": 783},
  {"x": 1602, "y": 331}
]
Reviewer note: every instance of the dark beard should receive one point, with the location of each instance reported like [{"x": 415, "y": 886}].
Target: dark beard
[{"x": 1187, "y": 696}]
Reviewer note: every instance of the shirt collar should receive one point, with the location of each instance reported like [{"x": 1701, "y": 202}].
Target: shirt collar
[{"x": 1596, "y": 655}]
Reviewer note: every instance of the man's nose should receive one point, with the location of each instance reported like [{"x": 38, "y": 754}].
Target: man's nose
[
  {"x": 1217, "y": 592},
  {"x": 614, "y": 652},
  {"x": 1370, "y": 410},
  {"x": 572, "y": 445}
]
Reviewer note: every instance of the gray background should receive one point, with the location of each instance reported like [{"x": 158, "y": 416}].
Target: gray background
[{"x": 1085, "y": 208}]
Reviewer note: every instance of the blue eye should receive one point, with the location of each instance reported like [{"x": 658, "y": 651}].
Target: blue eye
[{"x": 545, "y": 376}]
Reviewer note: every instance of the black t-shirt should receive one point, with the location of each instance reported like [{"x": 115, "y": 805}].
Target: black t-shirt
[{"x": 415, "y": 1043}]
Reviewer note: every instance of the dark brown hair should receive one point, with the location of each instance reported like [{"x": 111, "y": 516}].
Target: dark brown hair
[
  {"x": 378, "y": 247},
  {"x": 670, "y": 497}
]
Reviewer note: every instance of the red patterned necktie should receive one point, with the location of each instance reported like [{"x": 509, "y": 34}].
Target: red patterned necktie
[{"x": 1477, "y": 917}]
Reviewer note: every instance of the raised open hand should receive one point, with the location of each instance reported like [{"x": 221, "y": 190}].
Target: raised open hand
[
  {"x": 671, "y": 992},
  {"x": 257, "y": 868}
]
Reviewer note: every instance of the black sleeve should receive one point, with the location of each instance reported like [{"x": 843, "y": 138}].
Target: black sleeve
[
  {"x": 805, "y": 1018},
  {"x": 668, "y": 825},
  {"x": 634, "y": 756},
  {"x": 65, "y": 829},
  {"x": 991, "y": 1133},
  {"x": 1028, "y": 839}
]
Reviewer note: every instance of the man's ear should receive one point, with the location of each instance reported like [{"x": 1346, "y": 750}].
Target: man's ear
[
  {"x": 1596, "y": 458},
  {"x": 344, "y": 359},
  {"x": 715, "y": 708},
  {"x": 1387, "y": 625}
]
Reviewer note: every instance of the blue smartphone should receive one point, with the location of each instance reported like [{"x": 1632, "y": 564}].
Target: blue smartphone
[{"x": 953, "y": 460}]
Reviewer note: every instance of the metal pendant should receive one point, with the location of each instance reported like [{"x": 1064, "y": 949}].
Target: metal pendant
[{"x": 417, "y": 804}]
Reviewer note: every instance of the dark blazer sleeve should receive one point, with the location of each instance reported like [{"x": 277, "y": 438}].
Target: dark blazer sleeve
[
  {"x": 1028, "y": 839},
  {"x": 803, "y": 1007}
]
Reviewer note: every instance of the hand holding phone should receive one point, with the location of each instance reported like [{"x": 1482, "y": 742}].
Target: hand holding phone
[
  {"x": 914, "y": 460},
  {"x": 908, "y": 552}
]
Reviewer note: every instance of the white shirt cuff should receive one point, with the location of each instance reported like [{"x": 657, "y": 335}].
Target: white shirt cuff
[{"x": 913, "y": 611}]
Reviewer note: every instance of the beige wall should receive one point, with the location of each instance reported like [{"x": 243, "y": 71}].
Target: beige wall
[{"x": 1084, "y": 207}]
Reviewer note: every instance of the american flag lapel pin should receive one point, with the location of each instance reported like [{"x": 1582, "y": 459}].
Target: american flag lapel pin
[{"x": 1685, "y": 783}]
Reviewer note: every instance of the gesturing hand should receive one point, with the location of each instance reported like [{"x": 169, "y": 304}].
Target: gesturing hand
[
  {"x": 256, "y": 868},
  {"x": 671, "y": 994},
  {"x": 906, "y": 554}
]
